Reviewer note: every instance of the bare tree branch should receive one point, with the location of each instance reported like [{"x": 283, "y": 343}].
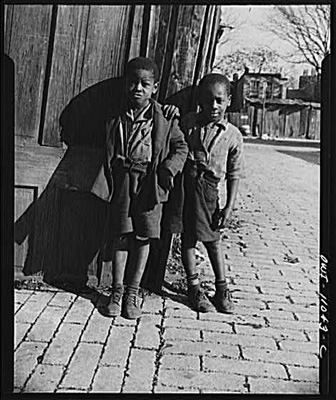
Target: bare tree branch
[
  {"x": 229, "y": 24},
  {"x": 306, "y": 28},
  {"x": 257, "y": 59}
]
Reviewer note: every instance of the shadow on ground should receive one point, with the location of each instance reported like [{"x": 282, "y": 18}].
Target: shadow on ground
[{"x": 309, "y": 156}]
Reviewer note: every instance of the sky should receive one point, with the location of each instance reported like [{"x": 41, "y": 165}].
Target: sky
[
  {"x": 252, "y": 19},
  {"x": 251, "y": 32}
]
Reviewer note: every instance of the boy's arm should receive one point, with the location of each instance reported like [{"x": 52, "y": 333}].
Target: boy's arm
[
  {"x": 235, "y": 170},
  {"x": 232, "y": 190},
  {"x": 178, "y": 151}
]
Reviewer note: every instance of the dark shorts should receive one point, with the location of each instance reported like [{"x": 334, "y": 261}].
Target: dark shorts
[
  {"x": 200, "y": 207},
  {"x": 122, "y": 219}
]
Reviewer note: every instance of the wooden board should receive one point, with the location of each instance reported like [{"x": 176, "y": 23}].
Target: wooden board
[
  {"x": 81, "y": 222},
  {"x": 8, "y": 14},
  {"x": 66, "y": 65},
  {"x": 24, "y": 197},
  {"x": 205, "y": 51},
  {"x": 107, "y": 34},
  {"x": 272, "y": 123},
  {"x": 211, "y": 46},
  {"x": 28, "y": 47},
  {"x": 186, "y": 47},
  {"x": 39, "y": 224},
  {"x": 135, "y": 39},
  {"x": 34, "y": 164},
  {"x": 164, "y": 43},
  {"x": 153, "y": 29},
  {"x": 292, "y": 125},
  {"x": 314, "y": 126}
]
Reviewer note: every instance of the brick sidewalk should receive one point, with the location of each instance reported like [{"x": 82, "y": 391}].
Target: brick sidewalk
[{"x": 270, "y": 344}]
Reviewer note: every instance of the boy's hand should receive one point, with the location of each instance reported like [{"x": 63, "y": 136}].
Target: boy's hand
[
  {"x": 170, "y": 111},
  {"x": 166, "y": 179},
  {"x": 224, "y": 217}
]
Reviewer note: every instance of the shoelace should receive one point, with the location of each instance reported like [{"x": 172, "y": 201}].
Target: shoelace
[
  {"x": 131, "y": 298},
  {"x": 116, "y": 296}
]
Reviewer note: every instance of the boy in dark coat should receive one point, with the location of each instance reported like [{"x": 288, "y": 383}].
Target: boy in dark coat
[
  {"x": 145, "y": 151},
  {"x": 215, "y": 153}
]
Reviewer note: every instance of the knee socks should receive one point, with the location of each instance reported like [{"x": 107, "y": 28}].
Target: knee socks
[
  {"x": 117, "y": 287},
  {"x": 221, "y": 285},
  {"x": 193, "y": 282},
  {"x": 132, "y": 289}
]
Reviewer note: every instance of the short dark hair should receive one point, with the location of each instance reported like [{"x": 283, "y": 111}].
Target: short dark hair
[
  {"x": 212, "y": 79},
  {"x": 142, "y": 63}
]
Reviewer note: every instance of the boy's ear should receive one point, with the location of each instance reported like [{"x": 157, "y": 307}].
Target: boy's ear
[
  {"x": 156, "y": 87},
  {"x": 229, "y": 99}
]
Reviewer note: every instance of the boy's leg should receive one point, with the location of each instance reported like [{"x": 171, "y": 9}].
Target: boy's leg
[
  {"x": 139, "y": 255},
  {"x": 222, "y": 298},
  {"x": 216, "y": 258},
  {"x": 120, "y": 258},
  {"x": 196, "y": 295}
]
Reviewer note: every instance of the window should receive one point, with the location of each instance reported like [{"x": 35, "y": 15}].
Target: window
[{"x": 254, "y": 88}]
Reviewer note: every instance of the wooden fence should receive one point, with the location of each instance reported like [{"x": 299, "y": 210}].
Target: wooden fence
[
  {"x": 59, "y": 52},
  {"x": 283, "y": 122}
]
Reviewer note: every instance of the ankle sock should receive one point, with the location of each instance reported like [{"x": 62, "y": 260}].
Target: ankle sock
[
  {"x": 221, "y": 285},
  {"x": 118, "y": 287},
  {"x": 193, "y": 282},
  {"x": 132, "y": 289}
]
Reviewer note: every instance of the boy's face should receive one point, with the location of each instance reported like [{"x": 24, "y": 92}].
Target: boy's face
[
  {"x": 140, "y": 85},
  {"x": 214, "y": 101}
]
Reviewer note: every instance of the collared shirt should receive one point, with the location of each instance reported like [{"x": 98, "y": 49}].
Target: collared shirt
[
  {"x": 135, "y": 139},
  {"x": 218, "y": 147}
]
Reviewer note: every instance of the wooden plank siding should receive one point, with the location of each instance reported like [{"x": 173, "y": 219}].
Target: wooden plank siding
[
  {"x": 186, "y": 48},
  {"x": 27, "y": 45},
  {"x": 106, "y": 42},
  {"x": 165, "y": 46},
  {"x": 60, "y": 52},
  {"x": 213, "y": 21},
  {"x": 66, "y": 67},
  {"x": 138, "y": 13},
  {"x": 24, "y": 197}
]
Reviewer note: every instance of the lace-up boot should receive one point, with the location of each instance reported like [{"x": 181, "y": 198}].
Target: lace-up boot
[
  {"x": 113, "y": 307},
  {"x": 130, "y": 306},
  {"x": 222, "y": 301},
  {"x": 199, "y": 300}
]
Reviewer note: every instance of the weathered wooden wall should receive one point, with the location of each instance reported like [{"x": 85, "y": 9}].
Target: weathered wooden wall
[{"x": 59, "y": 51}]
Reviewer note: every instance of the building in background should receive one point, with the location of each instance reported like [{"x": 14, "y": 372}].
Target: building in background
[
  {"x": 261, "y": 106},
  {"x": 257, "y": 85},
  {"x": 253, "y": 85},
  {"x": 309, "y": 87}
]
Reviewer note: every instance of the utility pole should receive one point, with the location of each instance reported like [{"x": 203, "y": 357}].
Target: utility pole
[
  {"x": 264, "y": 83},
  {"x": 308, "y": 121}
]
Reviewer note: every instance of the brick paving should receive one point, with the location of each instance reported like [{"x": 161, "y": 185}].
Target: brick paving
[{"x": 270, "y": 343}]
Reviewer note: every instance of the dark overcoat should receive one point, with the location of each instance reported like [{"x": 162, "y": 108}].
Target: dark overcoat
[
  {"x": 88, "y": 129},
  {"x": 169, "y": 151}
]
